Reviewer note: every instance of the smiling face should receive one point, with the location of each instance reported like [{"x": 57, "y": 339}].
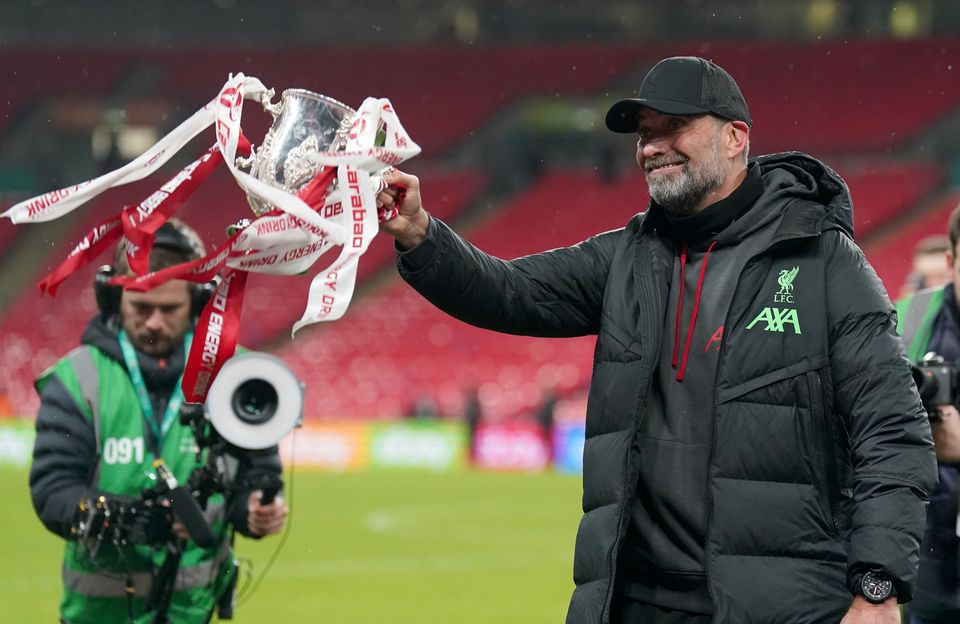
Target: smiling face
[{"x": 690, "y": 161}]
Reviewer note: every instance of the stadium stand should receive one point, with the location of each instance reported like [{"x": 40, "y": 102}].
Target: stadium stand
[
  {"x": 457, "y": 92},
  {"x": 826, "y": 94},
  {"x": 459, "y": 89},
  {"x": 892, "y": 254},
  {"x": 63, "y": 71},
  {"x": 884, "y": 191},
  {"x": 32, "y": 330},
  {"x": 7, "y": 235}
]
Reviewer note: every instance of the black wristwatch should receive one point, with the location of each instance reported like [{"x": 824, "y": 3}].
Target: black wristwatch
[{"x": 875, "y": 587}]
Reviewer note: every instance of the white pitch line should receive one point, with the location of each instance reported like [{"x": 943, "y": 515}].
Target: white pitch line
[{"x": 464, "y": 522}]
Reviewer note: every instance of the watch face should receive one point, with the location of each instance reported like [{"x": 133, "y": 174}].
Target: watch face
[{"x": 876, "y": 588}]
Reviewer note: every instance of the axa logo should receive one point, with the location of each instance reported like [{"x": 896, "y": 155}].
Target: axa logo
[
  {"x": 777, "y": 319},
  {"x": 785, "y": 279}
]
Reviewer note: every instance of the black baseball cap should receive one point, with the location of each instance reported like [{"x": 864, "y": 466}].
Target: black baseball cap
[{"x": 682, "y": 85}]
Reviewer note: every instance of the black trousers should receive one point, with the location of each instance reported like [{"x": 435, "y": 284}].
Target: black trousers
[{"x": 628, "y": 611}]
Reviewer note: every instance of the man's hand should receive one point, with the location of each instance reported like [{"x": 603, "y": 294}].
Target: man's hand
[
  {"x": 946, "y": 433},
  {"x": 179, "y": 530},
  {"x": 865, "y": 612},
  {"x": 409, "y": 227},
  {"x": 265, "y": 519}
]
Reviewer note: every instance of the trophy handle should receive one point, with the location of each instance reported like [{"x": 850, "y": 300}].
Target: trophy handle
[
  {"x": 270, "y": 107},
  {"x": 265, "y": 98},
  {"x": 245, "y": 163}
]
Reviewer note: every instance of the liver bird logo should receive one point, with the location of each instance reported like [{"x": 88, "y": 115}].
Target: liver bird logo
[{"x": 786, "y": 280}]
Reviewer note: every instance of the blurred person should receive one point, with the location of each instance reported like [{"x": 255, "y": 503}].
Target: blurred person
[
  {"x": 931, "y": 265},
  {"x": 472, "y": 417},
  {"x": 756, "y": 450},
  {"x": 6, "y": 408},
  {"x": 107, "y": 410},
  {"x": 929, "y": 322},
  {"x": 546, "y": 419},
  {"x": 422, "y": 408}
]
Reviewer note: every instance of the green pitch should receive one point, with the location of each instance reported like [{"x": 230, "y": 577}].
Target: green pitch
[{"x": 391, "y": 547}]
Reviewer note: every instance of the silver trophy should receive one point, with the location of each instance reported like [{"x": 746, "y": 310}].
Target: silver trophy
[{"x": 304, "y": 123}]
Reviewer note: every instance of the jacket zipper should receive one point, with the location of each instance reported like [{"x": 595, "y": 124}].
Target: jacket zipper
[
  {"x": 713, "y": 445},
  {"x": 713, "y": 425},
  {"x": 829, "y": 464},
  {"x": 615, "y": 552},
  {"x": 713, "y": 412}
]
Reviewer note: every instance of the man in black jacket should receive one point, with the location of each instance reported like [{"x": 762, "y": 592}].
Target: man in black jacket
[
  {"x": 756, "y": 450},
  {"x": 930, "y": 323},
  {"x": 107, "y": 411}
]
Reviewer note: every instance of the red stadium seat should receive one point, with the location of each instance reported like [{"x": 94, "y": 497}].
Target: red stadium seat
[{"x": 892, "y": 254}]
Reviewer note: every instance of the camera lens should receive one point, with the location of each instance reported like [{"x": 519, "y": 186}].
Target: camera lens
[{"x": 255, "y": 401}]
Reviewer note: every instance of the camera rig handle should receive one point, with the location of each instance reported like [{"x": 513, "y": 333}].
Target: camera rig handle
[
  {"x": 186, "y": 508},
  {"x": 270, "y": 492}
]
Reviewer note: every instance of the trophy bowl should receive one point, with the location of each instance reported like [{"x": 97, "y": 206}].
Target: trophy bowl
[{"x": 304, "y": 123}]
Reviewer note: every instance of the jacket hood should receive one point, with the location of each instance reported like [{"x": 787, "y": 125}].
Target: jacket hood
[
  {"x": 160, "y": 374},
  {"x": 812, "y": 197},
  {"x": 103, "y": 334},
  {"x": 815, "y": 198}
]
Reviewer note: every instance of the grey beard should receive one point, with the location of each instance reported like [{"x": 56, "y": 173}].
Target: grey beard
[
  {"x": 680, "y": 195},
  {"x": 676, "y": 197}
]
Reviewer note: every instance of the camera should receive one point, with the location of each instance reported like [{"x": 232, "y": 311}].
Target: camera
[
  {"x": 146, "y": 520},
  {"x": 937, "y": 382},
  {"x": 254, "y": 401},
  {"x": 122, "y": 521}
]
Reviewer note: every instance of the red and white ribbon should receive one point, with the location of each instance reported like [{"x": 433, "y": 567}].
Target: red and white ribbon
[
  {"x": 141, "y": 222},
  {"x": 360, "y": 161},
  {"x": 97, "y": 240},
  {"x": 57, "y": 203},
  {"x": 286, "y": 241},
  {"x": 215, "y": 338}
]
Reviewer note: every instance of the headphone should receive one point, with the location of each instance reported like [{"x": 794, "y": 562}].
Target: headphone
[{"x": 175, "y": 236}]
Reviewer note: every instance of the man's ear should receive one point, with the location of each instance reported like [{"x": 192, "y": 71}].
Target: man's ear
[{"x": 738, "y": 132}]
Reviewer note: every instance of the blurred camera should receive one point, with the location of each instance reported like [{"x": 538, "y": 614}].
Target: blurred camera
[
  {"x": 119, "y": 520},
  {"x": 937, "y": 382}
]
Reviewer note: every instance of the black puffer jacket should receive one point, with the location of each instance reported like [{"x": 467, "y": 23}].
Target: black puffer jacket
[{"x": 822, "y": 456}]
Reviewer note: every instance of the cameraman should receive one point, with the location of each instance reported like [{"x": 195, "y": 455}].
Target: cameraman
[
  {"x": 929, "y": 321},
  {"x": 107, "y": 410}
]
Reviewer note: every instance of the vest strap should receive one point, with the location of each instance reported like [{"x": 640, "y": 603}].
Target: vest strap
[
  {"x": 86, "y": 370},
  {"x": 914, "y": 318}
]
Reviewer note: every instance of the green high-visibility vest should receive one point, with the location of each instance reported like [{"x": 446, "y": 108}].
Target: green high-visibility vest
[
  {"x": 94, "y": 588},
  {"x": 915, "y": 317}
]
